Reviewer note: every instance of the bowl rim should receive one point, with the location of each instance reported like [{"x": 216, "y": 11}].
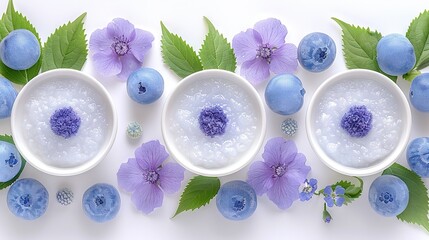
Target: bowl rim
[
  {"x": 402, "y": 142},
  {"x": 30, "y": 157},
  {"x": 251, "y": 153}
]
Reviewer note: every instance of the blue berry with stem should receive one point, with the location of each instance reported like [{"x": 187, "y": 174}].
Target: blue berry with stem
[
  {"x": 145, "y": 85},
  {"x": 284, "y": 94},
  {"x": 388, "y": 195},
  {"x": 20, "y": 49},
  {"x": 65, "y": 196},
  {"x": 418, "y": 156},
  {"x": 7, "y": 97},
  {"x": 101, "y": 202},
  {"x": 27, "y": 198},
  {"x": 289, "y": 127},
  {"x": 395, "y": 54},
  {"x": 236, "y": 200},
  {"x": 316, "y": 52},
  {"x": 10, "y": 161}
]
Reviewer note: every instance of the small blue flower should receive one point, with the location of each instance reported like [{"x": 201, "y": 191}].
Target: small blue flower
[
  {"x": 308, "y": 190},
  {"x": 65, "y": 122},
  {"x": 357, "y": 121},
  {"x": 334, "y": 197},
  {"x": 212, "y": 121}
]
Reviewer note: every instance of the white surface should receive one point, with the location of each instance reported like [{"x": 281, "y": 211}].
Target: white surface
[{"x": 302, "y": 220}]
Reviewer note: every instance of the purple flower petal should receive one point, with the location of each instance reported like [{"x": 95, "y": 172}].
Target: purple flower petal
[
  {"x": 279, "y": 151},
  {"x": 284, "y": 59},
  {"x": 327, "y": 190},
  {"x": 255, "y": 71},
  {"x": 245, "y": 45},
  {"x": 151, "y": 155},
  {"x": 272, "y": 31},
  {"x": 141, "y": 44},
  {"x": 100, "y": 41},
  {"x": 130, "y": 175},
  {"x": 339, "y": 190},
  {"x": 147, "y": 197},
  {"x": 170, "y": 177},
  {"x": 329, "y": 201},
  {"x": 129, "y": 64},
  {"x": 297, "y": 170},
  {"x": 283, "y": 193},
  {"x": 121, "y": 27},
  {"x": 339, "y": 201},
  {"x": 259, "y": 177},
  {"x": 107, "y": 65}
]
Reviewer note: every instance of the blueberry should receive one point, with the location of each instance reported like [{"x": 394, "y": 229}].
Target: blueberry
[
  {"x": 388, "y": 195},
  {"x": 145, "y": 85},
  {"x": 10, "y": 161},
  {"x": 7, "y": 97},
  {"x": 236, "y": 200},
  {"x": 20, "y": 49},
  {"x": 419, "y": 92},
  {"x": 285, "y": 94},
  {"x": 418, "y": 156},
  {"x": 101, "y": 202},
  {"x": 316, "y": 52},
  {"x": 27, "y": 198},
  {"x": 395, "y": 54}
]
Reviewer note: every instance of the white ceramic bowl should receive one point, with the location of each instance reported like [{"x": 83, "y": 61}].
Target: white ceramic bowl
[
  {"x": 18, "y": 114},
  {"x": 179, "y": 153},
  {"x": 403, "y": 108}
]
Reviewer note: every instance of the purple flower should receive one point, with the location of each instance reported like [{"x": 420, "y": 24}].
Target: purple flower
[
  {"x": 334, "y": 197},
  {"x": 308, "y": 190},
  {"x": 262, "y": 49},
  {"x": 147, "y": 177},
  {"x": 357, "y": 121},
  {"x": 280, "y": 174},
  {"x": 65, "y": 122},
  {"x": 119, "y": 49}
]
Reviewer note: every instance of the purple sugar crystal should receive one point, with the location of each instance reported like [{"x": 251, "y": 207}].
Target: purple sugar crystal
[
  {"x": 213, "y": 121},
  {"x": 65, "y": 122},
  {"x": 357, "y": 121}
]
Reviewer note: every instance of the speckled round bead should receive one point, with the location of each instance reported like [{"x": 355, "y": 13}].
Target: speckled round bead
[
  {"x": 290, "y": 127},
  {"x": 65, "y": 196},
  {"x": 134, "y": 130}
]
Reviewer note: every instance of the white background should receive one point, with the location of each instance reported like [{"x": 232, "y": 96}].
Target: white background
[{"x": 302, "y": 220}]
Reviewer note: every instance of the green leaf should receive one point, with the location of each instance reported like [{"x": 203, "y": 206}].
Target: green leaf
[
  {"x": 178, "y": 55},
  {"x": 418, "y": 204},
  {"x": 418, "y": 34},
  {"x": 352, "y": 192},
  {"x": 359, "y": 47},
  {"x": 199, "y": 191},
  {"x": 216, "y": 51},
  {"x": 66, "y": 47},
  {"x": 7, "y": 138},
  {"x": 411, "y": 75},
  {"x": 12, "y": 20}
]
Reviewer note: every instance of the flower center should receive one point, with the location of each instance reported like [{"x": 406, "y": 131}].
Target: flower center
[
  {"x": 212, "y": 121},
  {"x": 385, "y": 197},
  {"x": 65, "y": 122},
  {"x": 307, "y": 188},
  {"x": 12, "y": 161},
  {"x": 239, "y": 203},
  {"x": 357, "y": 121},
  {"x": 265, "y": 51},
  {"x": 100, "y": 200},
  {"x": 25, "y": 200},
  {"x": 279, "y": 170},
  {"x": 321, "y": 54},
  {"x": 142, "y": 89},
  {"x": 121, "y": 45},
  {"x": 152, "y": 177}
]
